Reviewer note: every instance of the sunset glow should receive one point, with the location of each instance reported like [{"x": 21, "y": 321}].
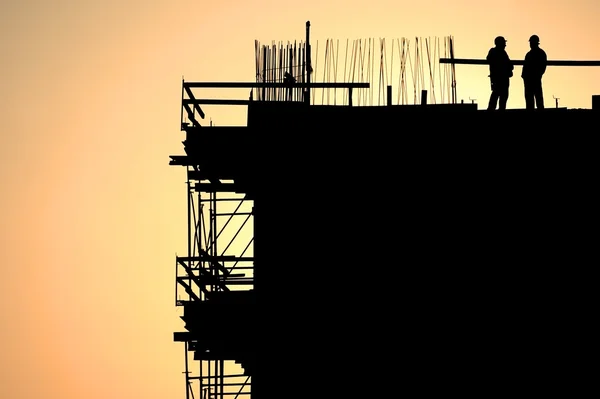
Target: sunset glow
[{"x": 91, "y": 213}]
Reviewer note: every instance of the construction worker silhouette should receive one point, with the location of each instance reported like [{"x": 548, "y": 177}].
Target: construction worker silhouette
[
  {"x": 501, "y": 70},
  {"x": 534, "y": 67}
]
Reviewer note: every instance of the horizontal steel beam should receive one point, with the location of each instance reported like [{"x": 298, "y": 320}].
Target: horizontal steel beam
[
  {"x": 221, "y": 281},
  {"x": 217, "y": 187},
  {"x": 227, "y": 258},
  {"x": 468, "y": 61},
  {"x": 253, "y": 85},
  {"x": 181, "y": 160},
  {"x": 201, "y": 101}
]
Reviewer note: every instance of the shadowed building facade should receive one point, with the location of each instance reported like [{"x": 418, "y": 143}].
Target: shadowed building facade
[{"x": 375, "y": 240}]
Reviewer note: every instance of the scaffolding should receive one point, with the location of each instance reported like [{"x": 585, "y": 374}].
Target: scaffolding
[
  {"x": 214, "y": 283},
  {"x": 215, "y": 279},
  {"x": 439, "y": 176}
]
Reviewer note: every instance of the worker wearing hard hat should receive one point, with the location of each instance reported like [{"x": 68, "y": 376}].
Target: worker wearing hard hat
[
  {"x": 534, "y": 67},
  {"x": 501, "y": 70}
]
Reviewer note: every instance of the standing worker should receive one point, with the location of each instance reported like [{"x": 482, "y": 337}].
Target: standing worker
[
  {"x": 533, "y": 70},
  {"x": 501, "y": 70}
]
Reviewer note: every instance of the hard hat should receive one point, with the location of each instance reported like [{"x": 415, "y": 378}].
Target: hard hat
[
  {"x": 499, "y": 40},
  {"x": 534, "y": 39}
]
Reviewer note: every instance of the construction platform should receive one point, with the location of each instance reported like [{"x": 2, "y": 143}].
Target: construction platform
[{"x": 433, "y": 239}]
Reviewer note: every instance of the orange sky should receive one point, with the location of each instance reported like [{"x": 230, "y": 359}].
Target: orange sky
[{"x": 92, "y": 214}]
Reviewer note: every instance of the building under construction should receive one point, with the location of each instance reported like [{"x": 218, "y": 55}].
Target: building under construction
[{"x": 361, "y": 240}]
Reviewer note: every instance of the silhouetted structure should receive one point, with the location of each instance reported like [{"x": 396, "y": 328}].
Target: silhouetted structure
[
  {"x": 534, "y": 68},
  {"x": 501, "y": 70},
  {"x": 410, "y": 67},
  {"x": 374, "y": 241}
]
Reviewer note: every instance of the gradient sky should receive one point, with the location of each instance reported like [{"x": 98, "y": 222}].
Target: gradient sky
[{"x": 91, "y": 214}]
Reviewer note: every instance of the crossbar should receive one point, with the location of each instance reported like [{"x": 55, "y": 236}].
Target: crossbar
[
  {"x": 468, "y": 61},
  {"x": 252, "y": 85},
  {"x": 208, "y": 101}
]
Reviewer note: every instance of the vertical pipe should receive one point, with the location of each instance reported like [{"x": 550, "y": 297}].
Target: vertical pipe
[
  {"x": 270, "y": 72},
  {"x": 291, "y": 70},
  {"x": 381, "y": 71},
  {"x": 256, "y": 66},
  {"x": 391, "y": 74},
  {"x": 389, "y": 95},
  {"x": 187, "y": 372},
  {"x": 280, "y": 71},
  {"x": 453, "y": 70},
  {"x": 337, "y": 63},
  {"x": 302, "y": 50},
  {"x": 212, "y": 380},
  {"x": 325, "y": 65},
  {"x": 189, "y": 216},
  {"x": 182, "y": 95},
  {"x": 209, "y": 376},
  {"x": 264, "y": 72},
  {"x": 273, "y": 69},
  {"x": 314, "y": 70},
  {"x": 308, "y": 63},
  {"x": 189, "y": 251},
  {"x": 199, "y": 234},
  {"x": 201, "y": 385},
  {"x": 221, "y": 379},
  {"x": 218, "y": 370},
  {"x": 371, "y": 91}
]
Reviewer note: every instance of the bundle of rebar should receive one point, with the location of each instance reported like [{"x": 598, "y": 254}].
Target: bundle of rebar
[{"x": 409, "y": 68}]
